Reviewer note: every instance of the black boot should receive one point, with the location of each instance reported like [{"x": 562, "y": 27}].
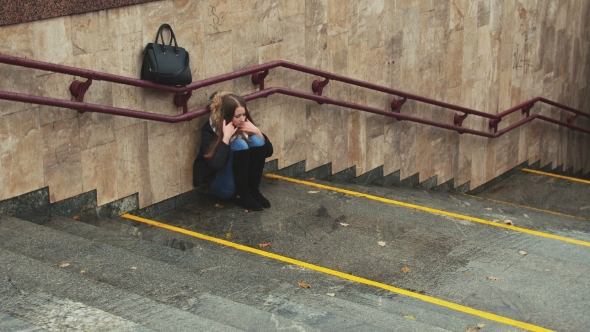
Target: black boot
[
  {"x": 257, "y": 159},
  {"x": 241, "y": 165}
]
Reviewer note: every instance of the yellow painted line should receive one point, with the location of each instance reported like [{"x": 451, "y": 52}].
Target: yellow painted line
[
  {"x": 527, "y": 207},
  {"x": 429, "y": 299},
  {"x": 430, "y": 210},
  {"x": 556, "y": 176}
]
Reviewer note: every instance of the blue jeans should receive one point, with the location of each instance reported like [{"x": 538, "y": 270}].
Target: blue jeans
[{"x": 223, "y": 185}]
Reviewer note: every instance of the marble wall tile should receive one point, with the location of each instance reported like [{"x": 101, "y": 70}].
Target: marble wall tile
[
  {"x": 164, "y": 170},
  {"x": 99, "y": 163},
  {"x": 316, "y": 12},
  {"x": 294, "y": 38},
  {"x": 21, "y": 168},
  {"x": 269, "y": 22},
  {"x": 357, "y": 21},
  {"x": 133, "y": 163},
  {"x": 52, "y": 40},
  {"x": 337, "y": 14},
  {"x": 337, "y": 54},
  {"x": 293, "y": 7},
  {"x": 64, "y": 178},
  {"x": 316, "y": 45},
  {"x": 187, "y": 145},
  {"x": 123, "y": 20},
  {"x": 88, "y": 32},
  {"x": 295, "y": 138},
  {"x": 391, "y": 146},
  {"x": 407, "y": 147},
  {"x": 269, "y": 121},
  {"x": 192, "y": 38},
  {"x": 216, "y": 16},
  {"x": 59, "y": 138},
  {"x": 320, "y": 132},
  {"x": 54, "y": 86},
  {"x": 245, "y": 42},
  {"x": 189, "y": 12},
  {"x": 219, "y": 54},
  {"x": 96, "y": 129},
  {"x": 356, "y": 146},
  {"x": 452, "y": 58}
]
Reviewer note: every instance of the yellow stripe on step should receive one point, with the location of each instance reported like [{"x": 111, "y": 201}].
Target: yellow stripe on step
[
  {"x": 431, "y": 210},
  {"x": 429, "y": 299}
]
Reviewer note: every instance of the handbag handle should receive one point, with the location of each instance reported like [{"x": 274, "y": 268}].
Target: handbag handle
[{"x": 159, "y": 35}]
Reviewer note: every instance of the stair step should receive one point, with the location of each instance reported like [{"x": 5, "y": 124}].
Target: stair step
[{"x": 11, "y": 324}]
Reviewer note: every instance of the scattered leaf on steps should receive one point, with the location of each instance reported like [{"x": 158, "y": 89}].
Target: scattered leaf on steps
[
  {"x": 508, "y": 222},
  {"x": 228, "y": 235},
  {"x": 264, "y": 245},
  {"x": 471, "y": 329},
  {"x": 64, "y": 265},
  {"x": 381, "y": 243},
  {"x": 493, "y": 278},
  {"x": 552, "y": 181},
  {"x": 488, "y": 209},
  {"x": 331, "y": 294},
  {"x": 134, "y": 267},
  {"x": 303, "y": 285},
  {"x": 313, "y": 192},
  {"x": 410, "y": 317},
  {"x": 311, "y": 179},
  {"x": 219, "y": 206},
  {"x": 481, "y": 325},
  {"x": 82, "y": 271},
  {"x": 76, "y": 217},
  {"x": 343, "y": 224},
  {"x": 468, "y": 274},
  {"x": 406, "y": 270},
  {"x": 522, "y": 252}
]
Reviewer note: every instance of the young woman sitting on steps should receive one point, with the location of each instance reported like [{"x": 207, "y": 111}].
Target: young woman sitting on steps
[{"x": 233, "y": 151}]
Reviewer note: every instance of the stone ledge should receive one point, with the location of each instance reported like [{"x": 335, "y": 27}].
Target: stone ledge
[{"x": 13, "y": 12}]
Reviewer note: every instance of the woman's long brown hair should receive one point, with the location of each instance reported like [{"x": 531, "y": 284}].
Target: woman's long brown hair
[{"x": 229, "y": 103}]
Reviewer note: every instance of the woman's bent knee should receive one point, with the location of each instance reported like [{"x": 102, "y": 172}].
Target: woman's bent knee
[
  {"x": 239, "y": 144},
  {"x": 256, "y": 141}
]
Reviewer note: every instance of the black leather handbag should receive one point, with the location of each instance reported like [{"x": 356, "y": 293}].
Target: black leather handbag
[{"x": 166, "y": 63}]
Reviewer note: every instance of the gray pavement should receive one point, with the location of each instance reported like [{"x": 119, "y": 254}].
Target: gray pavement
[{"x": 140, "y": 278}]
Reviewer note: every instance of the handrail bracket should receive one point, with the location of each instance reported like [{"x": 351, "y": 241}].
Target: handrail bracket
[
  {"x": 78, "y": 89},
  {"x": 317, "y": 86},
  {"x": 494, "y": 124},
  {"x": 396, "y": 105},
  {"x": 181, "y": 100},
  {"x": 458, "y": 119},
  {"x": 258, "y": 78},
  {"x": 527, "y": 109}
]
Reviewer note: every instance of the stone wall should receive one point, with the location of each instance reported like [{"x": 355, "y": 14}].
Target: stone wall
[{"x": 484, "y": 54}]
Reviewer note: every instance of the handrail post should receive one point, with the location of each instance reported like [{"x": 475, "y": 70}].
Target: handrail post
[
  {"x": 527, "y": 109},
  {"x": 458, "y": 121}
]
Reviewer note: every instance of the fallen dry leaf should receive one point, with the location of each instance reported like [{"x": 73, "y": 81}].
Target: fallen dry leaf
[
  {"x": 134, "y": 267},
  {"x": 219, "y": 206},
  {"x": 468, "y": 274},
  {"x": 311, "y": 179},
  {"x": 471, "y": 329},
  {"x": 303, "y": 285},
  {"x": 76, "y": 217},
  {"x": 343, "y": 224},
  {"x": 247, "y": 211},
  {"x": 228, "y": 235},
  {"x": 381, "y": 243},
  {"x": 82, "y": 271},
  {"x": 488, "y": 209},
  {"x": 65, "y": 265},
  {"x": 493, "y": 278},
  {"x": 522, "y": 252},
  {"x": 410, "y": 317},
  {"x": 313, "y": 192},
  {"x": 552, "y": 181},
  {"x": 508, "y": 222},
  {"x": 406, "y": 270},
  {"x": 264, "y": 245},
  {"x": 481, "y": 325},
  {"x": 331, "y": 294}
]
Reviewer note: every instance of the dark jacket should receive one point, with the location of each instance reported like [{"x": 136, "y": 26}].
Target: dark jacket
[{"x": 204, "y": 169}]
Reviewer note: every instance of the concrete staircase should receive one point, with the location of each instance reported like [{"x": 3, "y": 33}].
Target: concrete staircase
[{"x": 84, "y": 272}]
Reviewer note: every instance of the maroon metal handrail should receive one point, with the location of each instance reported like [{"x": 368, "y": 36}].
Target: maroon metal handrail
[{"x": 182, "y": 95}]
